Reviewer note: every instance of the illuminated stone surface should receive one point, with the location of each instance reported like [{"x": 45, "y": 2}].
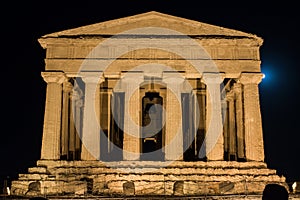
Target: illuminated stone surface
[{"x": 213, "y": 147}]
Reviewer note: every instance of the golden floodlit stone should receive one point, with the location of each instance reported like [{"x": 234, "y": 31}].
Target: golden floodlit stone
[{"x": 150, "y": 104}]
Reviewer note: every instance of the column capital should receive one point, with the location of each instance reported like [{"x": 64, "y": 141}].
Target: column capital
[
  {"x": 54, "y": 77},
  {"x": 212, "y": 78},
  {"x": 230, "y": 95},
  {"x": 92, "y": 77},
  {"x": 76, "y": 94},
  {"x": 67, "y": 87},
  {"x": 132, "y": 76},
  {"x": 237, "y": 87},
  {"x": 250, "y": 78}
]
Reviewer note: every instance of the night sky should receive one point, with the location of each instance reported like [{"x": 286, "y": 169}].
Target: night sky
[{"x": 23, "y": 89}]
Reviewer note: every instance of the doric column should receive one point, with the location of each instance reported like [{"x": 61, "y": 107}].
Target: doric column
[
  {"x": 91, "y": 128},
  {"x": 225, "y": 112},
  {"x": 105, "y": 121},
  {"x": 132, "y": 137},
  {"x": 76, "y": 115},
  {"x": 109, "y": 136},
  {"x": 237, "y": 88},
  {"x": 213, "y": 139},
  {"x": 195, "y": 119},
  {"x": 202, "y": 106},
  {"x": 174, "y": 135},
  {"x": 232, "y": 128},
  {"x": 67, "y": 88},
  {"x": 52, "y": 118},
  {"x": 201, "y": 129},
  {"x": 252, "y": 116},
  {"x": 72, "y": 129}
]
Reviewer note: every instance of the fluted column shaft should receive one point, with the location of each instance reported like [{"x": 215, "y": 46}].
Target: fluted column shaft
[
  {"x": 132, "y": 137},
  {"x": 214, "y": 140},
  {"x": 52, "y": 118},
  {"x": 237, "y": 88},
  {"x": 174, "y": 134},
  {"x": 232, "y": 124},
  {"x": 252, "y": 116},
  {"x": 195, "y": 119},
  {"x": 67, "y": 88},
  {"x": 72, "y": 128},
  {"x": 91, "y": 127},
  {"x": 76, "y": 115}
]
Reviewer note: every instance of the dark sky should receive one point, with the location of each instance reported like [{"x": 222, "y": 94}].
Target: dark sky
[{"x": 23, "y": 90}]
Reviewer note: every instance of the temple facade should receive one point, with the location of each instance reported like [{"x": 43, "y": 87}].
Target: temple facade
[{"x": 150, "y": 104}]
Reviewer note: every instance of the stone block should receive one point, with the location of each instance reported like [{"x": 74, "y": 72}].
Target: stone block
[
  {"x": 37, "y": 170},
  {"x": 149, "y": 187},
  {"x": 30, "y": 177},
  {"x": 19, "y": 187},
  {"x": 62, "y": 187},
  {"x": 115, "y": 187}
]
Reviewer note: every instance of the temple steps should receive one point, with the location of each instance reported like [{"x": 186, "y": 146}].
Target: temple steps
[
  {"x": 134, "y": 177},
  {"x": 212, "y": 171},
  {"x": 175, "y": 171},
  {"x": 145, "y": 177},
  {"x": 38, "y": 170},
  {"x": 154, "y": 164},
  {"x": 176, "y": 168}
]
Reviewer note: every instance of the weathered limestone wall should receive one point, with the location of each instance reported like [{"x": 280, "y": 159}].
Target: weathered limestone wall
[{"x": 146, "y": 178}]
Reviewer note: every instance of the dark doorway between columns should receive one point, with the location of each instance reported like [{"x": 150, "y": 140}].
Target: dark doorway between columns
[
  {"x": 111, "y": 140},
  {"x": 152, "y": 130},
  {"x": 193, "y": 126}
]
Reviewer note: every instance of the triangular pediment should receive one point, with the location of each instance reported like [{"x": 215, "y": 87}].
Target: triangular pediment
[{"x": 151, "y": 19}]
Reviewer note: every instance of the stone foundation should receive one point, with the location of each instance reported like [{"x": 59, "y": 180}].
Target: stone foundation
[{"x": 139, "y": 178}]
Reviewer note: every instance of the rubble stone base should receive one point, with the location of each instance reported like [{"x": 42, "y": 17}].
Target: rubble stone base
[{"x": 140, "y": 178}]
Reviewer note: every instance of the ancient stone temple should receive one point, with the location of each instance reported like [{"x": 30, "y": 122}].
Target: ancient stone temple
[{"x": 150, "y": 104}]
